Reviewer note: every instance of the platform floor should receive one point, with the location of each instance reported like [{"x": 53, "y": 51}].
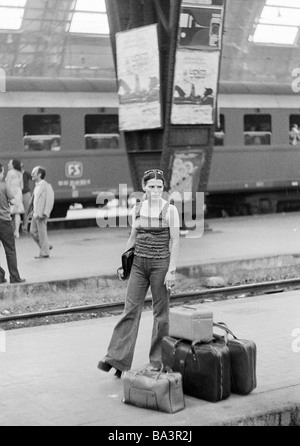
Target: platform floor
[
  {"x": 93, "y": 251},
  {"x": 49, "y": 374}
]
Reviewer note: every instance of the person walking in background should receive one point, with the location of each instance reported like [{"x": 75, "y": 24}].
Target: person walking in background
[
  {"x": 7, "y": 232},
  {"x": 42, "y": 203},
  {"x": 155, "y": 237},
  {"x": 26, "y": 192},
  {"x": 14, "y": 181}
]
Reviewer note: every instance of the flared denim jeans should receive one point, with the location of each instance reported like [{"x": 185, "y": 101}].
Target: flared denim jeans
[{"x": 145, "y": 273}]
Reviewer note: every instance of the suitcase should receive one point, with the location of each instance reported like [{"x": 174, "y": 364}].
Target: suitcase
[
  {"x": 242, "y": 361},
  {"x": 193, "y": 322},
  {"x": 205, "y": 367},
  {"x": 153, "y": 390}
]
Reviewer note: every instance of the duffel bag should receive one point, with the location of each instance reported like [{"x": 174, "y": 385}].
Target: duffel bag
[
  {"x": 243, "y": 354},
  {"x": 205, "y": 367},
  {"x": 154, "y": 390}
]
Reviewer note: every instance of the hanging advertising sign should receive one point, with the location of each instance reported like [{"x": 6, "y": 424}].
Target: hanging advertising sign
[
  {"x": 138, "y": 71},
  {"x": 197, "y": 63},
  {"x": 186, "y": 170},
  {"x": 200, "y": 26},
  {"x": 195, "y": 85}
]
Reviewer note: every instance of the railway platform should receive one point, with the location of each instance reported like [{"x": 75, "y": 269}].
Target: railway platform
[
  {"x": 49, "y": 374},
  {"x": 259, "y": 244}
]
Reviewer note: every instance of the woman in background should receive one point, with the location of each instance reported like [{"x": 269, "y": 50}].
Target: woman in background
[
  {"x": 14, "y": 181},
  {"x": 155, "y": 237},
  {"x": 26, "y": 194}
]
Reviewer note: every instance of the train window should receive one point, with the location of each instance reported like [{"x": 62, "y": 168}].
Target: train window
[
  {"x": 257, "y": 129},
  {"x": 42, "y": 132},
  {"x": 220, "y": 132},
  {"x": 294, "y": 133},
  {"x": 102, "y": 132}
]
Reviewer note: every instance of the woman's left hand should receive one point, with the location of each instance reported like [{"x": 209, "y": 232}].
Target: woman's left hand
[{"x": 170, "y": 280}]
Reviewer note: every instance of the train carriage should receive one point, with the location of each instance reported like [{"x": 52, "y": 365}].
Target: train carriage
[
  {"x": 256, "y": 161},
  {"x": 71, "y": 128}
]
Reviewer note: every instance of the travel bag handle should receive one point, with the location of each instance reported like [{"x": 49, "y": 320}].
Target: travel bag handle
[
  {"x": 201, "y": 341},
  {"x": 145, "y": 367},
  {"x": 175, "y": 345},
  {"x": 224, "y": 327},
  {"x": 189, "y": 308}
]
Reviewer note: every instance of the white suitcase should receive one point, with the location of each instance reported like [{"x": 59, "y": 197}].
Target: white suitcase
[{"x": 191, "y": 322}]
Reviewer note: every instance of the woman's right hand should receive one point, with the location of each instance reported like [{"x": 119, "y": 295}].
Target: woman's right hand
[
  {"x": 121, "y": 273},
  {"x": 170, "y": 280}
]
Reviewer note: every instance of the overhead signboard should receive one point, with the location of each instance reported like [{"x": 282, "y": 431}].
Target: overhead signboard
[
  {"x": 197, "y": 63},
  {"x": 186, "y": 169},
  {"x": 138, "y": 72},
  {"x": 196, "y": 78}
]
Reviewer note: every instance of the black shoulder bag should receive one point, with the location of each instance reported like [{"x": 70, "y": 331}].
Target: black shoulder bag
[{"x": 127, "y": 260}]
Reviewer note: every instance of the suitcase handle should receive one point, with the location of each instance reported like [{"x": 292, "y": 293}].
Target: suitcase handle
[
  {"x": 145, "y": 367},
  {"x": 168, "y": 371},
  {"x": 176, "y": 343},
  {"x": 194, "y": 343},
  {"x": 188, "y": 307},
  {"x": 224, "y": 327}
]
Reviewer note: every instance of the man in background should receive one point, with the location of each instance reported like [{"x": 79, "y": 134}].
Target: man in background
[
  {"x": 7, "y": 233},
  {"x": 42, "y": 203}
]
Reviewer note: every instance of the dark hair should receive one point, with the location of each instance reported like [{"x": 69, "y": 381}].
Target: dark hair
[
  {"x": 17, "y": 165},
  {"x": 1, "y": 168},
  {"x": 153, "y": 174},
  {"x": 41, "y": 171}
]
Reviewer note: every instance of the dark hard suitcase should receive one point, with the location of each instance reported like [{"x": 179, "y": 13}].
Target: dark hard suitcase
[
  {"x": 242, "y": 361},
  {"x": 205, "y": 367}
]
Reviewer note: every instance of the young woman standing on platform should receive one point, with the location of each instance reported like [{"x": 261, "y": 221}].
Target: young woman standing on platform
[{"x": 155, "y": 237}]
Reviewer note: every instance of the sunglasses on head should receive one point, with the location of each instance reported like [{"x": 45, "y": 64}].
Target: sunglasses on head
[{"x": 159, "y": 172}]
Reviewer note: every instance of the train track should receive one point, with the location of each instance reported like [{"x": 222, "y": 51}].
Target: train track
[{"x": 240, "y": 291}]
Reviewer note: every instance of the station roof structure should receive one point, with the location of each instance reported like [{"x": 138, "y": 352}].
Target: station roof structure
[{"x": 69, "y": 39}]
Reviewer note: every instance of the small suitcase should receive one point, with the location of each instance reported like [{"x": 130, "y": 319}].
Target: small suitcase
[
  {"x": 205, "y": 367},
  {"x": 242, "y": 361},
  {"x": 193, "y": 322},
  {"x": 153, "y": 390}
]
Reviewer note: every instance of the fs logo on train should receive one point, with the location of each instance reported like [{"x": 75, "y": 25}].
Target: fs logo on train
[{"x": 74, "y": 169}]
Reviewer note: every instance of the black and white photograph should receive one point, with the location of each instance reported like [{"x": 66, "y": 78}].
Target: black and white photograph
[{"x": 150, "y": 216}]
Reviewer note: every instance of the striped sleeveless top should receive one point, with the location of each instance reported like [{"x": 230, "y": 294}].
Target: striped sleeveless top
[{"x": 153, "y": 234}]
